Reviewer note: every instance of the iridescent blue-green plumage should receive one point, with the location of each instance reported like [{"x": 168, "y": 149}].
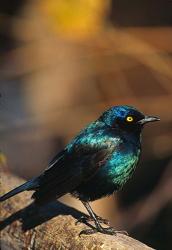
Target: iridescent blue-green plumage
[{"x": 97, "y": 162}]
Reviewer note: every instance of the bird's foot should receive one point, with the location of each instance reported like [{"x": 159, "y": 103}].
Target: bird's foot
[
  {"x": 109, "y": 231},
  {"x": 86, "y": 219}
]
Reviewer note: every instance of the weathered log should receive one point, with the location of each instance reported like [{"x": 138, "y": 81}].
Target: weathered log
[{"x": 26, "y": 226}]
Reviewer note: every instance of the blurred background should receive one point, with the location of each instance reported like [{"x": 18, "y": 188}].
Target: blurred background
[{"x": 63, "y": 62}]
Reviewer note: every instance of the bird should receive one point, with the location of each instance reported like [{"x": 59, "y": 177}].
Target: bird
[{"x": 96, "y": 163}]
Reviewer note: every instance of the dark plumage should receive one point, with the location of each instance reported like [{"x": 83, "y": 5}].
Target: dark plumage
[{"x": 97, "y": 162}]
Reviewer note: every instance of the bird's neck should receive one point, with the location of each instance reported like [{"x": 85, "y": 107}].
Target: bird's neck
[{"x": 133, "y": 136}]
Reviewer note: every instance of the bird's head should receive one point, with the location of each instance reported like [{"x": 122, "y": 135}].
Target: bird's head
[{"x": 126, "y": 118}]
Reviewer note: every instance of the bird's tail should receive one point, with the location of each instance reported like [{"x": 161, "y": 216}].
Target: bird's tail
[{"x": 29, "y": 185}]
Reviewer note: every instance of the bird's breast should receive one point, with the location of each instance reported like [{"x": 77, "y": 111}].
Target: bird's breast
[
  {"x": 122, "y": 163},
  {"x": 112, "y": 175}
]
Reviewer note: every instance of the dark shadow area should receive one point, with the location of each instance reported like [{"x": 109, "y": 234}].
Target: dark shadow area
[
  {"x": 140, "y": 13},
  {"x": 8, "y": 10},
  {"x": 34, "y": 215},
  {"x": 156, "y": 233}
]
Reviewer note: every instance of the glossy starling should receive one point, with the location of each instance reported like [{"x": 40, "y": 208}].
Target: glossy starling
[{"x": 96, "y": 163}]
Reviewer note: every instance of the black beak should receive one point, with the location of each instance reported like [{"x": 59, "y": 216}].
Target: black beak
[{"x": 148, "y": 119}]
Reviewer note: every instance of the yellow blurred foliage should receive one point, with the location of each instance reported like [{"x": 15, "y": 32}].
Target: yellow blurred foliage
[
  {"x": 75, "y": 18},
  {"x": 3, "y": 159}
]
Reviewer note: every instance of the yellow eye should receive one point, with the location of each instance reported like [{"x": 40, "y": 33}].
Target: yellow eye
[{"x": 129, "y": 119}]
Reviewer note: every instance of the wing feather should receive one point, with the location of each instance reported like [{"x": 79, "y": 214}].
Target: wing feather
[{"x": 69, "y": 169}]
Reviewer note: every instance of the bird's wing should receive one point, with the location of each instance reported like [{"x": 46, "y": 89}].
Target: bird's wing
[{"x": 70, "y": 168}]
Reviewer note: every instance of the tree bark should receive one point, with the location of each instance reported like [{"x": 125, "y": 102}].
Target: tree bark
[{"x": 26, "y": 226}]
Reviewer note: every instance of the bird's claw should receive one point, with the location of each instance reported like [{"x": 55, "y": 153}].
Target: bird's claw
[
  {"x": 102, "y": 220},
  {"x": 85, "y": 219},
  {"x": 109, "y": 231},
  {"x": 88, "y": 231}
]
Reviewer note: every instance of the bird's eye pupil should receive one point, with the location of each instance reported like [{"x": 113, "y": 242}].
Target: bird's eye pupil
[{"x": 129, "y": 119}]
